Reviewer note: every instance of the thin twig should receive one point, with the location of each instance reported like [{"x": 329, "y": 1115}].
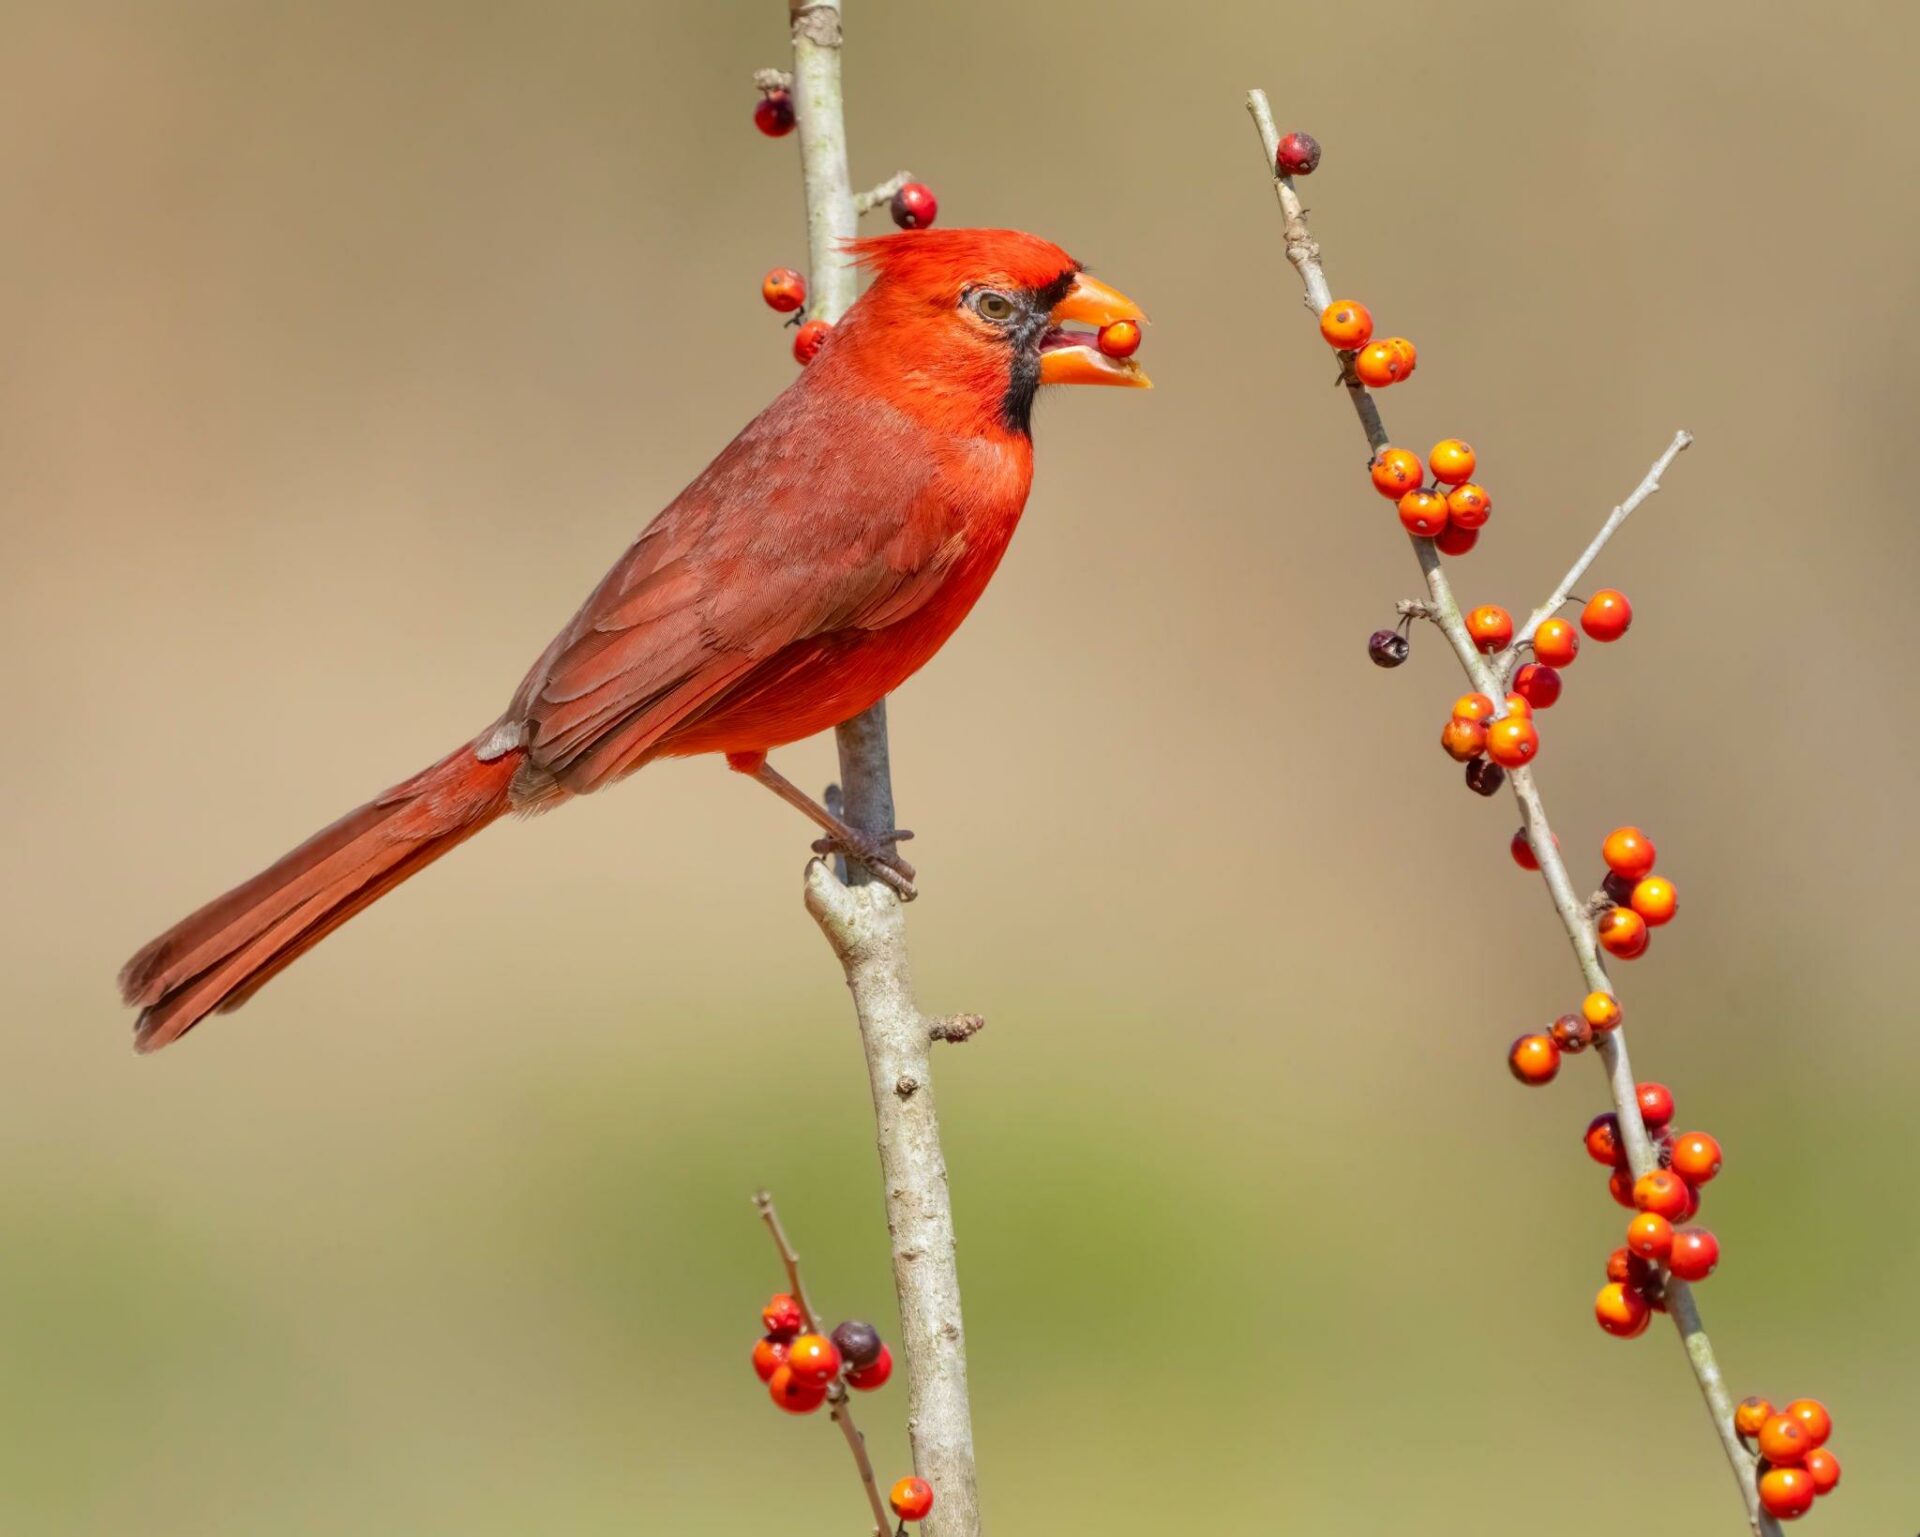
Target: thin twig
[
  {"x": 876, "y": 197},
  {"x": 837, "y": 1396},
  {"x": 864, "y": 921},
  {"x": 1488, "y": 677}
]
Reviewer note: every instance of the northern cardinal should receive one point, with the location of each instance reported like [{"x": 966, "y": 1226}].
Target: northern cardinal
[{"x": 809, "y": 570}]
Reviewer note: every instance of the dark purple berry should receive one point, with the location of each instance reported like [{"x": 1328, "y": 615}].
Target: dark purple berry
[
  {"x": 1387, "y": 648},
  {"x": 1484, "y": 776},
  {"x": 859, "y": 1343}
]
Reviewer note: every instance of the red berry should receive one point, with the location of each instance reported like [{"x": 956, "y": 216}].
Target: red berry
[
  {"x": 1626, "y": 1267},
  {"x": 814, "y": 1358},
  {"x": 808, "y": 340},
  {"x": 1622, "y": 932},
  {"x": 793, "y": 1393},
  {"x": 1656, "y": 1105},
  {"x": 1603, "y": 1141},
  {"x": 1695, "y": 1253},
  {"x": 784, "y": 290},
  {"x": 1521, "y": 847},
  {"x": 1538, "y": 684},
  {"x": 1607, "y": 615},
  {"x": 782, "y": 1318},
  {"x": 769, "y": 1355},
  {"x": 773, "y": 114},
  {"x": 873, "y": 1375},
  {"x": 1572, "y": 1034},
  {"x": 1534, "y": 1059},
  {"x": 1812, "y": 1417},
  {"x": 1298, "y": 154},
  {"x": 1456, "y": 540},
  {"x": 914, "y": 206},
  {"x": 911, "y": 1499},
  {"x": 1824, "y": 1469},
  {"x": 1784, "y": 1441},
  {"x": 1469, "y": 506},
  {"x": 1696, "y": 1157},
  {"x": 1650, "y": 1236},
  {"x": 1490, "y": 626},
  {"x": 1629, "y": 853},
  {"x": 1621, "y": 1310},
  {"x": 1786, "y": 1493},
  {"x": 1661, "y": 1192}
]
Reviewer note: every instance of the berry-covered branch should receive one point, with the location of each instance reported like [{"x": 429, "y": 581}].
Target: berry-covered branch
[
  {"x": 863, "y": 919},
  {"x": 1492, "y": 731}
]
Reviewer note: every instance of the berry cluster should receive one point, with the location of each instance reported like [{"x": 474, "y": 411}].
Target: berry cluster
[
  {"x": 1795, "y": 1465},
  {"x": 1347, "y": 325},
  {"x": 800, "y": 1367}
]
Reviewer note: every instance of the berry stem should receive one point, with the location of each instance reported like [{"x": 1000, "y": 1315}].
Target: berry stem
[
  {"x": 1649, "y": 484},
  {"x": 865, "y": 923},
  {"x": 837, "y": 1395},
  {"x": 1488, "y": 678},
  {"x": 880, "y": 196}
]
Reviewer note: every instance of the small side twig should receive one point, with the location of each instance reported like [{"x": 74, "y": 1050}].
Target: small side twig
[
  {"x": 1488, "y": 678},
  {"x": 840, "y": 1407},
  {"x": 880, "y": 196}
]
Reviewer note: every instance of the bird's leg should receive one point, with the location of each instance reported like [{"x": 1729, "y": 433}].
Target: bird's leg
[{"x": 874, "y": 850}]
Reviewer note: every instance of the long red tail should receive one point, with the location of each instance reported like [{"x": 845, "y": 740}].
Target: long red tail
[{"x": 222, "y": 955}]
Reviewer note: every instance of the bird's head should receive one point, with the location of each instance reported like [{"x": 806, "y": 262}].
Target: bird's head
[{"x": 976, "y": 320}]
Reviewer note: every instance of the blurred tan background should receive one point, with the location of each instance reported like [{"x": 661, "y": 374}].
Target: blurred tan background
[{"x": 345, "y": 345}]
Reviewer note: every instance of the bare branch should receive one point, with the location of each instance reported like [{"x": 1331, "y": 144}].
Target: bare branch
[
  {"x": 1304, "y": 252},
  {"x": 880, "y": 196},
  {"x": 837, "y": 1396},
  {"x": 866, "y": 926}
]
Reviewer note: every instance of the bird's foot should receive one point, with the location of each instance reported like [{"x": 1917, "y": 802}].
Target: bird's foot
[{"x": 876, "y": 853}]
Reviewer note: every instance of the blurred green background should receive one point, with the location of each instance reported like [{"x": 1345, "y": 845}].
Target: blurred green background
[{"x": 346, "y": 344}]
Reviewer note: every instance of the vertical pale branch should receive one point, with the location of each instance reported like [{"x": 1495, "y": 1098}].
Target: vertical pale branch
[
  {"x": 864, "y": 921},
  {"x": 1489, "y": 678}
]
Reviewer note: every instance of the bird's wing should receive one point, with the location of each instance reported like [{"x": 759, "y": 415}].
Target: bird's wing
[{"x": 822, "y": 515}]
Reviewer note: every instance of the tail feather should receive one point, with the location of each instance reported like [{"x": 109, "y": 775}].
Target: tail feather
[{"x": 220, "y": 956}]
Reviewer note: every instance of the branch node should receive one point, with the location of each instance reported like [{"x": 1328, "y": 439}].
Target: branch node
[
  {"x": 819, "y": 24},
  {"x": 906, "y": 1087},
  {"x": 957, "y": 1027},
  {"x": 773, "y": 79}
]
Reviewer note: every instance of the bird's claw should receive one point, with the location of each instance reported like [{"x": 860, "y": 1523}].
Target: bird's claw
[{"x": 876, "y": 854}]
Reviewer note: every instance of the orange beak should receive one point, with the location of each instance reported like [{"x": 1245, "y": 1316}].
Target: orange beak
[{"x": 1074, "y": 357}]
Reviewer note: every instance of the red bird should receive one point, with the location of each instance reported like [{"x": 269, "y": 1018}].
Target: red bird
[{"x": 813, "y": 567}]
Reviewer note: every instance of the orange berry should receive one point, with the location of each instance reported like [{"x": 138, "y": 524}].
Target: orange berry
[
  {"x": 794, "y": 1393},
  {"x": 1696, "y": 1157},
  {"x": 1602, "y": 1011},
  {"x": 1812, "y": 1417},
  {"x": 1623, "y": 932},
  {"x": 808, "y": 340},
  {"x": 1470, "y": 506},
  {"x": 1538, "y": 684},
  {"x": 1519, "y": 704},
  {"x": 1512, "y": 741},
  {"x": 1451, "y": 461},
  {"x": 782, "y": 1317},
  {"x": 1661, "y": 1192},
  {"x": 1120, "y": 339},
  {"x": 1604, "y": 1144},
  {"x": 1534, "y": 1059},
  {"x": 1621, "y": 1310},
  {"x": 1607, "y": 615},
  {"x": 784, "y": 290},
  {"x": 768, "y": 1356},
  {"x": 814, "y": 1358},
  {"x": 1629, "y": 853},
  {"x": 1655, "y": 900},
  {"x": 1379, "y": 364},
  {"x": 1395, "y": 472},
  {"x": 1629, "y": 1269},
  {"x": 1454, "y": 540},
  {"x": 1750, "y": 1414},
  {"x": 1346, "y": 324},
  {"x": 1786, "y": 1493},
  {"x": 1650, "y": 1236},
  {"x": 1784, "y": 1440},
  {"x": 1620, "y": 1184},
  {"x": 1555, "y": 643},
  {"x": 1464, "y": 740},
  {"x": 1695, "y": 1252},
  {"x": 1824, "y": 1469},
  {"x": 1404, "y": 354},
  {"x": 1423, "y": 513},
  {"x": 911, "y": 1499},
  {"x": 1473, "y": 707},
  {"x": 1490, "y": 626}
]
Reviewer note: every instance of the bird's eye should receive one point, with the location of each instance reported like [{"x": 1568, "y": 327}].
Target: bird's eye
[{"x": 991, "y": 304}]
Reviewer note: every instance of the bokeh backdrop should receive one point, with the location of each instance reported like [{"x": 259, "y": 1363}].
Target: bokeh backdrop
[{"x": 345, "y": 345}]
